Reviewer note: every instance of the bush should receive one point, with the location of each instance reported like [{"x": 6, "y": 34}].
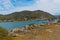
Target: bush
[
  {"x": 58, "y": 20},
  {"x": 4, "y": 34}
]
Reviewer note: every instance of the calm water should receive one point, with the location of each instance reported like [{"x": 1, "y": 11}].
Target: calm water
[{"x": 12, "y": 25}]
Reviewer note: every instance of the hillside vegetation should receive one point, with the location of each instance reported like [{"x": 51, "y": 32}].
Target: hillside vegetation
[
  {"x": 4, "y": 34},
  {"x": 26, "y": 15}
]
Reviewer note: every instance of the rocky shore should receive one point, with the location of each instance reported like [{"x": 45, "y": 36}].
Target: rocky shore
[
  {"x": 33, "y": 29},
  {"x": 47, "y": 31}
]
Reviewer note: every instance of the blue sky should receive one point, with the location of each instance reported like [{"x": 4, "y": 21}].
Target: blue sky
[{"x": 9, "y": 6}]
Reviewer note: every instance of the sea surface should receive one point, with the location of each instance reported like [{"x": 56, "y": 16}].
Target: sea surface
[{"x": 12, "y": 25}]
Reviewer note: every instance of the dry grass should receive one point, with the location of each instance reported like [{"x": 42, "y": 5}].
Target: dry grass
[{"x": 49, "y": 31}]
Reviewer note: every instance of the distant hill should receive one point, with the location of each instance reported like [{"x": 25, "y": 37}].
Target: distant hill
[
  {"x": 26, "y": 15},
  {"x": 58, "y": 17}
]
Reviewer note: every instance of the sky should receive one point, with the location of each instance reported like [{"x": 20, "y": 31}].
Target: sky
[{"x": 10, "y": 6}]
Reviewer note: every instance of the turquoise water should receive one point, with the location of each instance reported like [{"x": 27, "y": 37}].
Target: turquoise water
[{"x": 12, "y": 25}]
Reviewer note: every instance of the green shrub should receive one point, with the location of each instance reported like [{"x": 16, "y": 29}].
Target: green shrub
[{"x": 4, "y": 34}]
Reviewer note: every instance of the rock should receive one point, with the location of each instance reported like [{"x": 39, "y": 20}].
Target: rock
[
  {"x": 49, "y": 30},
  {"x": 26, "y": 27},
  {"x": 15, "y": 32},
  {"x": 35, "y": 25}
]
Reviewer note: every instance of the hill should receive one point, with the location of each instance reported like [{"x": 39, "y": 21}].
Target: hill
[{"x": 26, "y": 15}]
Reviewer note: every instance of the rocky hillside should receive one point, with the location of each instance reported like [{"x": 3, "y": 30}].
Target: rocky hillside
[
  {"x": 26, "y": 15},
  {"x": 49, "y": 31}
]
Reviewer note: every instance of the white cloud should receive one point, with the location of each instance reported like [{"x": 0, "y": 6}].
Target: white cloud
[
  {"x": 48, "y": 5},
  {"x": 56, "y": 1},
  {"x": 51, "y": 6}
]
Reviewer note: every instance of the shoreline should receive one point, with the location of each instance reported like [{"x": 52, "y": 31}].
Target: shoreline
[
  {"x": 36, "y": 31},
  {"x": 24, "y": 20}
]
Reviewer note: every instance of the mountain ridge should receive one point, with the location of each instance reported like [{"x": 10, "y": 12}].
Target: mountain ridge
[{"x": 26, "y": 15}]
